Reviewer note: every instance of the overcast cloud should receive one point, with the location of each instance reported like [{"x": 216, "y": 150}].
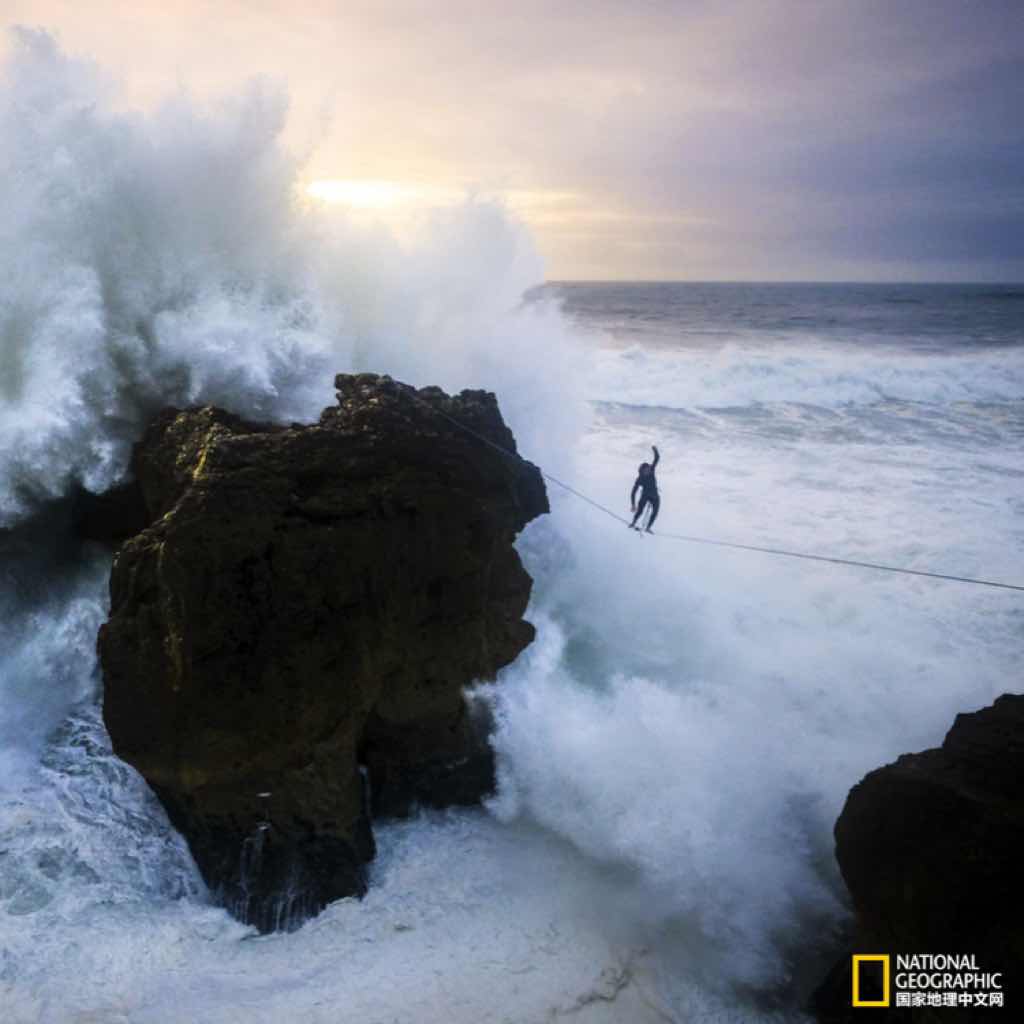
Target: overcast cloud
[{"x": 826, "y": 139}]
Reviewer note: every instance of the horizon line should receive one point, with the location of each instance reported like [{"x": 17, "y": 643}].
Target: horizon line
[{"x": 776, "y": 281}]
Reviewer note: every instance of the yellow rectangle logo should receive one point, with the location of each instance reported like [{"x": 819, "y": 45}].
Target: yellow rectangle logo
[{"x": 883, "y": 959}]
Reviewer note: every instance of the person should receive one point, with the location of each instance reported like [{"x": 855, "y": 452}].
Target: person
[{"x": 647, "y": 485}]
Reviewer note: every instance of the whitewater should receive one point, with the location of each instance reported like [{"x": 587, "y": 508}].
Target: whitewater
[{"x": 675, "y": 746}]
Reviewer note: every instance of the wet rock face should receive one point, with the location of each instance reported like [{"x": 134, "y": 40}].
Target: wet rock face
[
  {"x": 290, "y": 638},
  {"x": 931, "y": 849}
]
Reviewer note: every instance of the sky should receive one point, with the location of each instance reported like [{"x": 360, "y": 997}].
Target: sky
[{"x": 649, "y": 139}]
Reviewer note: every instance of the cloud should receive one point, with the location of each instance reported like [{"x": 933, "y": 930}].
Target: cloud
[{"x": 752, "y": 137}]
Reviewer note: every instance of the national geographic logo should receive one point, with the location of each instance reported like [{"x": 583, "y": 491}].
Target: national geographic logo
[
  {"x": 876, "y": 988},
  {"x": 924, "y": 979}
]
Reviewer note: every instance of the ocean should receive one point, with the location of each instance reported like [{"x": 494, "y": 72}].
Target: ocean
[{"x": 675, "y": 746}]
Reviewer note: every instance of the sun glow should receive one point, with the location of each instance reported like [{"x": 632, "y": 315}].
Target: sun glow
[
  {"x": 402, "y": 205},
  {"x": 371, "y": 194}
]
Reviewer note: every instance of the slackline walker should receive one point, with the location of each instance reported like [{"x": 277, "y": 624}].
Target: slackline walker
[{"x": 726, "y": 543}]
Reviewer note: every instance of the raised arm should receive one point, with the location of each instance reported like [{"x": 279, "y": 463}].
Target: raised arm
[{"x": 654, "y": 449}]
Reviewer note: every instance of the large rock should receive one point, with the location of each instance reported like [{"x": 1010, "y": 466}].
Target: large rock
[
  {"x": 932, "y": 849},
  {"x": 301, "y": 618}
]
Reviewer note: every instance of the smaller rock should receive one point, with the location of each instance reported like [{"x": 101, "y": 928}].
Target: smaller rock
[{"x": 931, "y": 849}]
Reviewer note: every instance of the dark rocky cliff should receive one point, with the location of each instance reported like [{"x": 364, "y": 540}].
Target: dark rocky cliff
[
  {"x": 932, "y": 850},
  {"x": 300, "y": 620}
]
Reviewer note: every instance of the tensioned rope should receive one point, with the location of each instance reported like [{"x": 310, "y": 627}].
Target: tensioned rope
[
  {"x": 710, "y": 540},
  {"x": 728, "y": 543}
]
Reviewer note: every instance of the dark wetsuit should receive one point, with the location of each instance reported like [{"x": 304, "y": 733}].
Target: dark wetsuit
[{"x": 647, "y": 484}]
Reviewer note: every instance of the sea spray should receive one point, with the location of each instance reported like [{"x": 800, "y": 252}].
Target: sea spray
[{"x": 171, "y": 258}]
